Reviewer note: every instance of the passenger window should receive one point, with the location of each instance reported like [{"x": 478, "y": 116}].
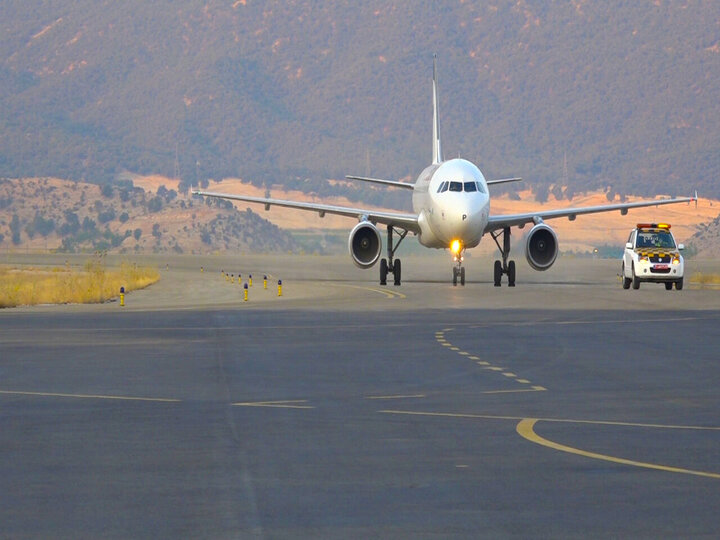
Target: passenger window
[
  {"x": 470, "y": 186},
  {"x": 456, "y": 186}
]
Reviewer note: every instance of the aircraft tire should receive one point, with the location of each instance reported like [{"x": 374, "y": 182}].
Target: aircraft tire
[
  {"x": 462, "y": 276},
  {"x": 511, "y": 274},
  {"x": 397, "y": 271},
  {"x": 383, "y": 271},
  {"x": 497, "y": 273},
  {"x": 455, "y": 276}
]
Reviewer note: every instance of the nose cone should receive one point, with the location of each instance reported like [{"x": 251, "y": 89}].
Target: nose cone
[{"x": 464, "y": 219}]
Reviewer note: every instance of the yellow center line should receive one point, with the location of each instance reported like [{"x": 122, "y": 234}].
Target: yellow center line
[
  {"x": 407, "y": 396},
  {"x": 526, "y": 430},
  {"x": 387, "y": 292},
  {"x": 88, "y": 396},
  {"x": 557, "y": 420}
]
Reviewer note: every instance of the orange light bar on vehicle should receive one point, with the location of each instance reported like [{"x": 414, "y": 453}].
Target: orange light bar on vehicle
[{"x": 653, "y": 225}]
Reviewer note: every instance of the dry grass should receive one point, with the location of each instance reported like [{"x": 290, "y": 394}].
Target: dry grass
[
  {"x": 30, "y": 286},
  {"x": 705, "y": 279}
]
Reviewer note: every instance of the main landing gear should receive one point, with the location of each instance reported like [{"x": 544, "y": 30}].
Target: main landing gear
[
  {"x": 505, "y": 267},
  {"x": 389, "y": 265}
]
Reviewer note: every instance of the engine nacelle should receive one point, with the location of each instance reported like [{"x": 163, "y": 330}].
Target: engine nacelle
[
  {"x": 365, "y": 244},
  {"x": 541, "y": 248}
]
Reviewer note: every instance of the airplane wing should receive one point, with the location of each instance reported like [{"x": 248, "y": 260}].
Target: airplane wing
[
  {"x": 397, "y": 219},
  {"x": 503, "y": 181},
  {"x": 514, "y": 220}
]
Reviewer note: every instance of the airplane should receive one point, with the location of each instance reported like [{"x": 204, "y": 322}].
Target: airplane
[{"x": 451, "y": 209}]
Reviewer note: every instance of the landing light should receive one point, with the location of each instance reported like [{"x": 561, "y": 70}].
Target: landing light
[{"x": 455, "y": 246}]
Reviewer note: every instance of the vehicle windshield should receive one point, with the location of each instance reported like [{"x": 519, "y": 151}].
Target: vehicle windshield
[{"x": 655, "y": 239}]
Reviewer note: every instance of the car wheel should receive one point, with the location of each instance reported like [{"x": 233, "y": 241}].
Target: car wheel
[
  {"x": 626, "y": 281},
  {"x": 668, "y": 286},
  {"x": 679, "y": 284},
  {"x": 635, "y": 279}
]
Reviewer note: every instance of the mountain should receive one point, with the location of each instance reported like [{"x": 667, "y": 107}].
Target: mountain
[{"x": 591, "y": 95}]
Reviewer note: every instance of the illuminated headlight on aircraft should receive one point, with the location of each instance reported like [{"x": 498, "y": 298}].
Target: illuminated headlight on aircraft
[{"x": 455, "y": 246}]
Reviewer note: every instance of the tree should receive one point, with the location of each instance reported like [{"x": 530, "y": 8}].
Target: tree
[
  {"x": 15, "y": 229},
  {"x": 137, "y": 233}
]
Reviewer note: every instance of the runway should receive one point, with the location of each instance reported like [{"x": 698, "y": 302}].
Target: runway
[{"x": 565, "y": 407}]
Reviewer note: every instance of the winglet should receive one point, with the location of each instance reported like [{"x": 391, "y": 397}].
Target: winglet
[{"x": 437, "y": 149}]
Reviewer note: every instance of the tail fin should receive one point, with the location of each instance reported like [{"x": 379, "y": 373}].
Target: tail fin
[{"x": 437, "y": 149}]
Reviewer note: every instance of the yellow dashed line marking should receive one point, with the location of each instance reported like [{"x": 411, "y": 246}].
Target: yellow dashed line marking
[
  {"x": 538, "y": 388},
  {"x": 454, "y": 348},
  {"x": 463, "y": 353},
  {"x": 474, "y": 358},
  {"x": 508, "y": 374},
  {"x": 523, "y": 381}
]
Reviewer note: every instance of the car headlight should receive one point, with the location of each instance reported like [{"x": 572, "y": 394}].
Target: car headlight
[{"x": 676, "y": 260}]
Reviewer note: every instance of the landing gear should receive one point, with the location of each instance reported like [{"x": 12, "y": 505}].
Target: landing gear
[
  {"x": 389, "y": 265},
  {"x": 458, "y": 273},
  {"x": 505, "y": 267}
]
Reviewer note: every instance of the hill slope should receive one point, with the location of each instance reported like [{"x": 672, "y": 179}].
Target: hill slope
[
  {"x": 47, "y": 213},
  {"x": 280, "y": 92}
]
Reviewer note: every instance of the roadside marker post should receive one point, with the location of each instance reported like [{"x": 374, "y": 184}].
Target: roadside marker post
[
  {"x": 122, "y": 296},
  {"x": 264, "y": 282},
  {"x": 279, "y": 287},
  {"x": 250, "y": 280},
  {"x": 246, "y": 292}
]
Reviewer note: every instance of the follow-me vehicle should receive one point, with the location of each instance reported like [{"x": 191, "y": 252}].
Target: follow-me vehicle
[
  {"x": 652, "y": 255},
  {"x": 451, "y": 210}
]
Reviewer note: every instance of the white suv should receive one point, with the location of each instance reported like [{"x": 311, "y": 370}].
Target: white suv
[{"x": 652, "y": 255}]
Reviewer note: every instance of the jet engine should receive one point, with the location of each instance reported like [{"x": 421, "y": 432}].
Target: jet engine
[
  {"x": 541, "y": 248},
  {"x": 365, "y": 244}
]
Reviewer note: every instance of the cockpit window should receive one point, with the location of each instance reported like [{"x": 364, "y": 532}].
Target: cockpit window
[
  {"x": 456, "y": 186},
  {"x": 470, "y": 186},
  {"x": 443, "y": 187}
]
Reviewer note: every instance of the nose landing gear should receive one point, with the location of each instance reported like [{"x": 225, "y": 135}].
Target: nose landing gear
[
  {"x": 458, "y": 273},
  {"x": 456, "y": 248}
]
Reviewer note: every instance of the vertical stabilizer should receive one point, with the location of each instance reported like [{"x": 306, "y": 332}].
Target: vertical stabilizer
[{"x": 437, "y": 149}]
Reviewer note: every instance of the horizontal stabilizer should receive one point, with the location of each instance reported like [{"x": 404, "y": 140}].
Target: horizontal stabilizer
[{"x": 381, "y": 181}]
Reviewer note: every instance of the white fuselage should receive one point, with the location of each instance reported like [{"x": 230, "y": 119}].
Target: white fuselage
[{"x": 453, "y": 204}]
